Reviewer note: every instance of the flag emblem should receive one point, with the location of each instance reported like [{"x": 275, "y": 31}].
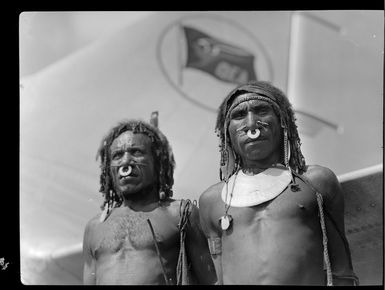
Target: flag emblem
[{"x": 222, "y": 60}]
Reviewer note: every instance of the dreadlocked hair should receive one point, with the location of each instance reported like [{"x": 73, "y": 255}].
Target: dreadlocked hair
[
  {"x": 282, "y": 108},
  {"x": 164, "y": 162}
]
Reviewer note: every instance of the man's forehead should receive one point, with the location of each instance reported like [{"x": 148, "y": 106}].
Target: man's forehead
[
  {"x": 131, "y": 138},
  {"x": 251, "y": 99}
]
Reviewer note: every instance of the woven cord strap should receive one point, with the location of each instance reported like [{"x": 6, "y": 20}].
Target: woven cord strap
[
  {"x": 182, "y": 269},
  {"x": 329, "y": 275},
  {"x": 322, "y": 210}
]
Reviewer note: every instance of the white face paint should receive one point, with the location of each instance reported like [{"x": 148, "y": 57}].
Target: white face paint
[{"x": 253, "y": 134}]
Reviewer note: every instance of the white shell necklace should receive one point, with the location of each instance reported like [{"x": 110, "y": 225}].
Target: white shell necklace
[{"x": 251, "y": 190}]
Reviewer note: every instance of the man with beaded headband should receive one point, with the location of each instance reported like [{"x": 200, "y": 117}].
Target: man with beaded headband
[
  {"x": 272, "y": 219},
  {"x": 143, "y": 235}
]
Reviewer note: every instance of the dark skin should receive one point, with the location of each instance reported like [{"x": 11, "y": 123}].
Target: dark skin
[
  {"x": 278, "y": 242},
  {"x": 121, "y": 250}
]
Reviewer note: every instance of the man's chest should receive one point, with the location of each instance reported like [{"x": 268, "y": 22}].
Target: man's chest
[
  {"x": 136, "y": 232},
  {"x": 299, "y": 205}
]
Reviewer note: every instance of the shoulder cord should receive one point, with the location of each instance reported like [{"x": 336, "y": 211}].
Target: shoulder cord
[
  {"x": 158, "y": 252},
  {"x": 352, "y": 276},
  {"x": 329, "y": 276},
  {"x": 322, "y": 210},
  {"x": 182, "y": 266}
]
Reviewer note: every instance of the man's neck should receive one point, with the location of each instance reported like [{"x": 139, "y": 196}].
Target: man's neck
[
  {"x": 252, "y": 171},
  {"x": 255, "y": 167},
  {"x": 144, "y": 200}
]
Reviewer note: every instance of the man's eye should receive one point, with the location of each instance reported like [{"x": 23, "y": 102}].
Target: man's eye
[
  {"x": 136, "y": 152},
  {"x": 261, "y": 111},
  {"x": 117, "y": 155},
  {"x": 237, "y": 114}
]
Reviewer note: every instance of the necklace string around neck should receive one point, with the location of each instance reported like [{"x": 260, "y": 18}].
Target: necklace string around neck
[
  {"x": 226, "y": 219},
  {"x": 227, "y": 206}
]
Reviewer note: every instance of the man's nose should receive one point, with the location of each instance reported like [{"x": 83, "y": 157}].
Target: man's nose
[
  {"x": 251, "y": 120},
  {"x": 126, "y": 159}
]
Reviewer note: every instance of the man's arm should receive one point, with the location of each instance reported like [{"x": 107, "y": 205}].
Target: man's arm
[
  {"x": 213, "y": 237},
  {"x": 89, "y": 275},
  {"x": 326, "y": 182},
  {"x": 198, "y": 251}
]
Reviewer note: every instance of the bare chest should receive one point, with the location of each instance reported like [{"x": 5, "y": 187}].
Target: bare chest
[
  {"x": 300, "y": 206},
  {"x": 282, "y": 236},
  {"x": 132, "y": 231}
]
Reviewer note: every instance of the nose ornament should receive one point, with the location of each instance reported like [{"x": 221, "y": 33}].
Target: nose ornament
[
  {"x": 253, "y": 134},
  {"x": 125, "y": 170}
]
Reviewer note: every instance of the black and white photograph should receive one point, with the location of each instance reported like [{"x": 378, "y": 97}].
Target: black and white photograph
[{"x": 235, "y": 147}]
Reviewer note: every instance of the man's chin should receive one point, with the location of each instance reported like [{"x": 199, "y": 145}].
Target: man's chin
[
  {"x": 126, "y": 193},
  {"x": 256, "y": 155},
  {"x": 130, "y": 192}
]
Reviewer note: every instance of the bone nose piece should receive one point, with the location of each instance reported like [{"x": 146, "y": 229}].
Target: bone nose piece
[
  {"x": 253, "y": 134},
  {"x": 125, "y": 170}
]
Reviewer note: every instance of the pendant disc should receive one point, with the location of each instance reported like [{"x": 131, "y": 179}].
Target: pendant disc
[{"x": 225, "y": 222}]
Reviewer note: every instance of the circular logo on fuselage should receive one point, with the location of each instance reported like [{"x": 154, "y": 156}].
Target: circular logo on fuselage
[{"x": 204, "y": 56}]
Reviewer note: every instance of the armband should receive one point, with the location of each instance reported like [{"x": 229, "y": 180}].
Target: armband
[{"x": 215, "y": 245}]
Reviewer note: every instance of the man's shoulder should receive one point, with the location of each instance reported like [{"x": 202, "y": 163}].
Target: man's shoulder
[
  {"x": 212, "y": 192},
  {"x": 320, "y": 174},
  {"x": 183, "y": 208},
  {"x": 91, "y": 229},
  {"x": 94, "y": 221},
  {"x": 210, "y": 196},
  {"x": 323, "y": 179},
  {"x": 176, "y": 206}
]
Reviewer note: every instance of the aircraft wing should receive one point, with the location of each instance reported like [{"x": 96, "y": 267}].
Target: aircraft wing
[
  {"x": 61, "y": 267},
  {"x": 364, "y": 225}
]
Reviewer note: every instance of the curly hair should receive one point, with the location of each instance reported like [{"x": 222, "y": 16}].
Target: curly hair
[
  {"x": 282, "y": 108},
  {"x": 164, "y": 159}
]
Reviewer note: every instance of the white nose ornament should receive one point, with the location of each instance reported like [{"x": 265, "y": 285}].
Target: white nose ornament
[
  {"x": 253, "y": 134},
  {"x": 125, "y": 170}
]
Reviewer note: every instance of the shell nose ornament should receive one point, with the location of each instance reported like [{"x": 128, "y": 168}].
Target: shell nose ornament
[
  {"x": 125, "y": 170},
  {"x": 253, "y": 134}
]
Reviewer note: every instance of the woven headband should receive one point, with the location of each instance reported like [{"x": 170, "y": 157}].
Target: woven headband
[
  {"x": 253, "y": 96},
  {"x": 253, "y": 89}
]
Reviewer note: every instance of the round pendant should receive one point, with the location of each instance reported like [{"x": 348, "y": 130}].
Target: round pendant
[
  {"x": 225, "y": 222},
  {"x": 253, "y": 134}
]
